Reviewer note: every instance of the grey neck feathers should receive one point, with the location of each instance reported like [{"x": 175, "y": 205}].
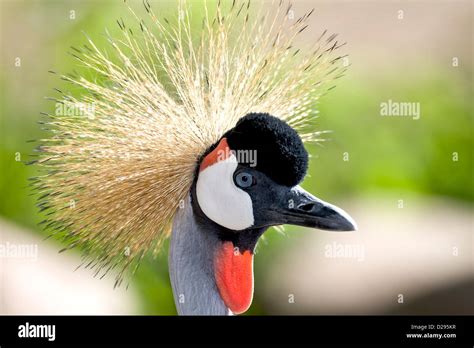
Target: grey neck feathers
[{"x": 191, "y": 266}]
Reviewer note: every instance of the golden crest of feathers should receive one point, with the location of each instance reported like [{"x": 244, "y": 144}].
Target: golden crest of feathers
[{"x": 155, "y": 99}]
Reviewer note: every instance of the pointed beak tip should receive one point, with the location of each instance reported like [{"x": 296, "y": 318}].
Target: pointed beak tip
[
  {"x": 347, "y": 223},
  {"x": 353, "y": 226}
]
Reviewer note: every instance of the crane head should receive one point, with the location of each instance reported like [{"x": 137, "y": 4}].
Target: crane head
[
  {"x": 248, "y": 182},
  {"x": 167, "y": 149}
]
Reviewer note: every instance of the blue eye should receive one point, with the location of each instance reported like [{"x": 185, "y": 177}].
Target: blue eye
[{"x": 244, "y": 179}]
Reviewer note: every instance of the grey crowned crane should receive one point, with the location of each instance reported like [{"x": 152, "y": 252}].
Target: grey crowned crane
[{"x": 197, "y": 135}]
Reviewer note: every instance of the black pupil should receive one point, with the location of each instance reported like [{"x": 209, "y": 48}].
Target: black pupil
[{"x": 245, "y": 178}]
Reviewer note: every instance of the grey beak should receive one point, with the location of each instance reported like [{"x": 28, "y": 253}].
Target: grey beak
[{"x": 303, "y": 209}]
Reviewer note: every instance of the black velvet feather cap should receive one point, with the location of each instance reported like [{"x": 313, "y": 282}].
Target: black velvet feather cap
[{"x": 280, "y": 153}]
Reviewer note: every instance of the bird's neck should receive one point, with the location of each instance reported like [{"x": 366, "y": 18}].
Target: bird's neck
[{"x": 191, "y": 266}]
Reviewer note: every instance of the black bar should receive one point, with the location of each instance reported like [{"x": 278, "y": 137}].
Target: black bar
[{"x": 288, "y": 330}]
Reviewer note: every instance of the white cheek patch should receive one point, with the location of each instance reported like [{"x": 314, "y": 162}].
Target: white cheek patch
[{"x": 219, "y": 198}]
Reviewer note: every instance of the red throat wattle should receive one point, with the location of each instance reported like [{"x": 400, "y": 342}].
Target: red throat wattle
[{"x": 233, "y": 271}]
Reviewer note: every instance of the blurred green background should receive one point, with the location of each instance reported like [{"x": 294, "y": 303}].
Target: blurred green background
[{"x": 406, "y": 60}]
